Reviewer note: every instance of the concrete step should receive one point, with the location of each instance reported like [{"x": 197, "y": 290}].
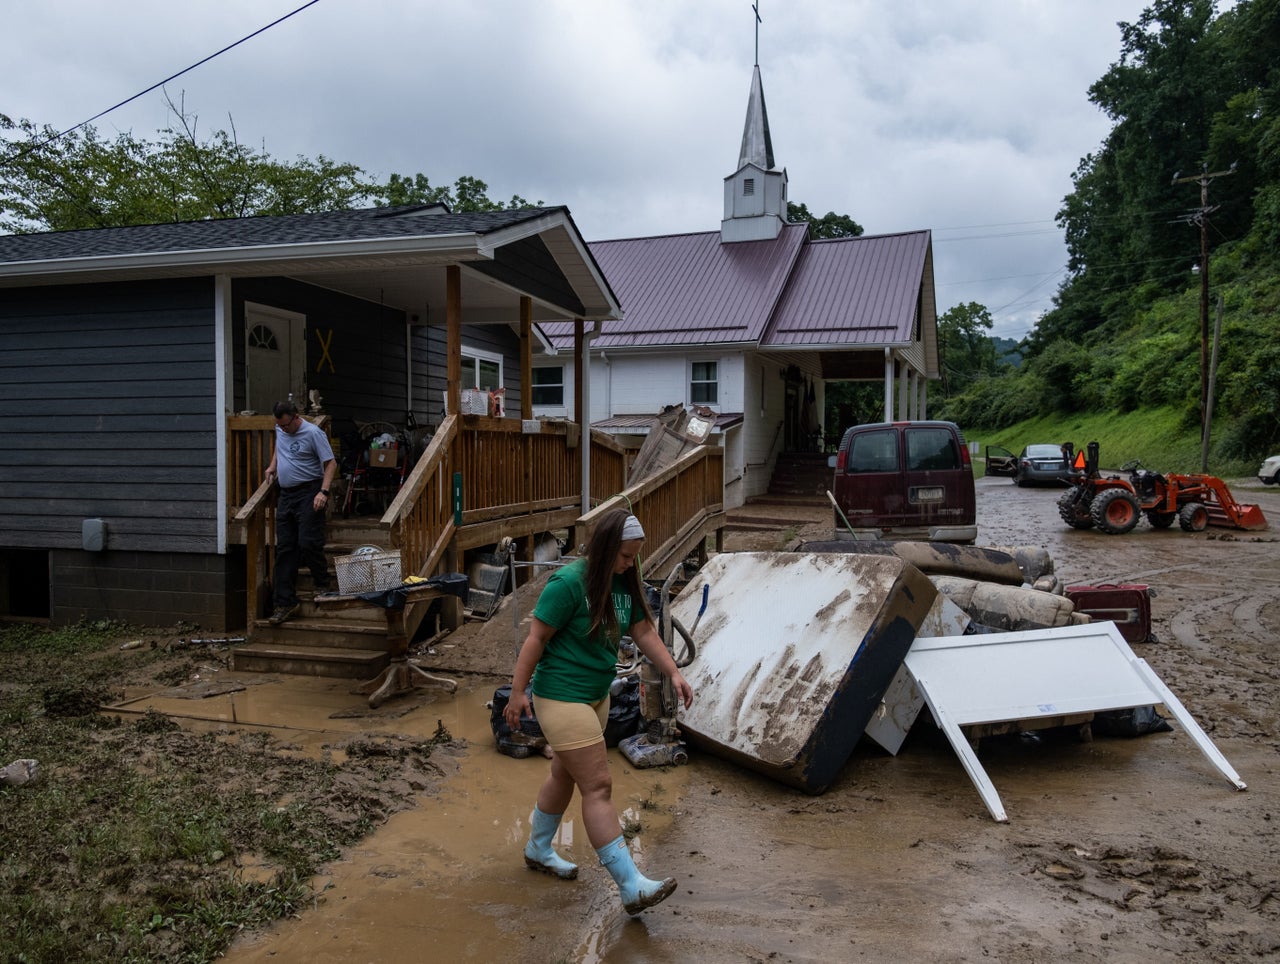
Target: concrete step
[{"x": 261, "y": 657}]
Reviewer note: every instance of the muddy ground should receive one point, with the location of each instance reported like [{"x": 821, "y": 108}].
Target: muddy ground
[{"x": 1117, "y": 849}]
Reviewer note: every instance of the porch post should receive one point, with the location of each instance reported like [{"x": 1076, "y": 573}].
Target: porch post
[
  {"x": 526, "y": 357},
  {"x": 924, "y": 397},
  {"x": 453, "y": 339},
  {"x": 903, "y": 372},
  {"x": 581, "y": 399},
  {"x": 888, "y": 385},
  {"x": 451, "y": 606}
]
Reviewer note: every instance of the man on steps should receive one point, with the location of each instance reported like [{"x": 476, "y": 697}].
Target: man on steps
[{"x": 303, "y": 465}]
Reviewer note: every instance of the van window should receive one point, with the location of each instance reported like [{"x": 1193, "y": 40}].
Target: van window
[
  {"x": 929, "y": 449},
  {"x": 873, "y": 452}
]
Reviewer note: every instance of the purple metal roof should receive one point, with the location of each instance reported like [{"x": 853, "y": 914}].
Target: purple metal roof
[
  {"x": 851, "y": 291},
  {"x": 690, "y": 289}
]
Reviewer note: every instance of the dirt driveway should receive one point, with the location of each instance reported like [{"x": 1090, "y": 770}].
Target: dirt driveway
[{"x": 1116, "y": 849}]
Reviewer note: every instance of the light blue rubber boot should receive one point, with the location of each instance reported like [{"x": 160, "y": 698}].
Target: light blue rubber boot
[
  {"x": 636, "y": 890},
  {"x": 538, "y": 852}
]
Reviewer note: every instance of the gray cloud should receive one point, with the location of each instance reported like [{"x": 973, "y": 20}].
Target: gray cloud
[{"x": 967, "y": 117}]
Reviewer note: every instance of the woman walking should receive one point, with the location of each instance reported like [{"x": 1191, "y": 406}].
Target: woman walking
[{"x": 571, "y": 656}]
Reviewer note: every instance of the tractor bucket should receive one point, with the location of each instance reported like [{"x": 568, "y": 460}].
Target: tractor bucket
[{"x": 1248, "y": 517}]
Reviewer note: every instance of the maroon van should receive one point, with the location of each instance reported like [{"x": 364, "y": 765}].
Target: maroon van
[{"x": 905, "y": 480}]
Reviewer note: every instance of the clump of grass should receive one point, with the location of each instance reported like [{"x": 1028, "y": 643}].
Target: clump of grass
[{"x": 129, "y": 846}]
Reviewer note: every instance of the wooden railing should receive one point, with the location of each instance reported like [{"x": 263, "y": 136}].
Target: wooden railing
[
  {"x": 675, "y": 506},
  {"x": 420, "y": 519},
  {"x": 250, "y": 442},
  {"x": 512, "y": 482}
]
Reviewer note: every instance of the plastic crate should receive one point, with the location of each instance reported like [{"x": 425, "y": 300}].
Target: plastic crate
[{"x": 368, "y": 572}]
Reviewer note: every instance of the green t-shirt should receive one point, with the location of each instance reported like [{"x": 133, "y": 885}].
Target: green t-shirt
[{"x": 575, "y": 667}]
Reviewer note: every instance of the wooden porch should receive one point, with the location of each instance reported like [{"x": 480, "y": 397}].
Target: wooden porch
[{"x": 480, "y": 480}]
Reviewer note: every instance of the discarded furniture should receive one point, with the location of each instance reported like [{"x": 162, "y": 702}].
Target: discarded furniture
[
  {"x": 1034, "y": 674},
  {"x": 795, "y": 652}
]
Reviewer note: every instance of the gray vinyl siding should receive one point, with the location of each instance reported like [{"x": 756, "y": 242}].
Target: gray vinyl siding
[
  {"x": 499, "y": 339},
  {"x": 107, "y": 411},
  {"x": 363, "y": 377}
]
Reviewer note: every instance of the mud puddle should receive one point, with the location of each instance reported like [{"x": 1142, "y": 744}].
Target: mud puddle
[{"x": 445, "y": 880}]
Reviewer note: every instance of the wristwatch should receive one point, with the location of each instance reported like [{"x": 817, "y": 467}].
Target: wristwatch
[{"x": 325, "y": 493}]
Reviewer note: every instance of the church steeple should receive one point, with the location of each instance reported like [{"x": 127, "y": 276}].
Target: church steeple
[
  {"x": 755, "y": 196},
  {"x": 757, "y": 146}
]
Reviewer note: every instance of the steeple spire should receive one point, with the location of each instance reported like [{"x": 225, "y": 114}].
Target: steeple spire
[{"x": 757, "y": 146}]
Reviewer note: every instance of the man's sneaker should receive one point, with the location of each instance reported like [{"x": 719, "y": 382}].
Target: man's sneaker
[{"x": 282, "y": 613}]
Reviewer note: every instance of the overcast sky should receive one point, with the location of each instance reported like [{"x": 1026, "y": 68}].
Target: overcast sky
[{"x": 965, "y": 117}]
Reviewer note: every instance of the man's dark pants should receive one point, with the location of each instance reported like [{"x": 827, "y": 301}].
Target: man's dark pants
[{"x": 299, "y": 540}]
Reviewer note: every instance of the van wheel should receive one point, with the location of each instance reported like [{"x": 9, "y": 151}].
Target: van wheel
[{"x": 1115, "y": 511}]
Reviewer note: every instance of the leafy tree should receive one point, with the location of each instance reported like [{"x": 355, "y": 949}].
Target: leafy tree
[
  {"x": 79, "y": 180},
  {"x": 967, "y": 351},
  {"x": 830, "y": 225},
  {"x": 467, "y": 194}
]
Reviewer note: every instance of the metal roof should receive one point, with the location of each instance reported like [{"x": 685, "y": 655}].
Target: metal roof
[
  {"x": 691, "y": 289},
  {"x": 852, "y": 291}
]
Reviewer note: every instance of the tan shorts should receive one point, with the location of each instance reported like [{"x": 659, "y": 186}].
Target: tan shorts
[{"x": 571, "y": 726}]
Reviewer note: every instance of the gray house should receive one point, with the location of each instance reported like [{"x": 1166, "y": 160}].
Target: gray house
[{"x": 138, "y": 367}]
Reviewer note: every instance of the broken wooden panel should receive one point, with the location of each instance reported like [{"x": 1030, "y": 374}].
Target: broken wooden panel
[{"x": 795, "y": 652}]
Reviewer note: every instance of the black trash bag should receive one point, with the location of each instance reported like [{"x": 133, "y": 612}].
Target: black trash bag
[
  {"x": 624, "y": 711},
  {"x": 528, "y": 741},
  {"x": 1133, "y": 722}
]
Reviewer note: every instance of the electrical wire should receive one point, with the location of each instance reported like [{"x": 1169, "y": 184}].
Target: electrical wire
[{"x": 49, "y": 140}]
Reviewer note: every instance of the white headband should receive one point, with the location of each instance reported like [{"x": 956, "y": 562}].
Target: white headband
[{"x": 631, "y": 529}]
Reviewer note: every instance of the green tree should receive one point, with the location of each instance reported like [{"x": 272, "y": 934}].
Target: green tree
[
  {"x": 79, "y": 180},
  {"x": 830, "y": 225},
  {"x": 966, "y": 350}
]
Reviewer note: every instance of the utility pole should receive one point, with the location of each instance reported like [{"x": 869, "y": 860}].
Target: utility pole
[{"x": 1201, "y": 218}]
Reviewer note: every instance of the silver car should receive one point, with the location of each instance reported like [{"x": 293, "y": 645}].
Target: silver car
[
  {"x": 1269, "y": 474},
  {"x": 1036, "y": 463}
]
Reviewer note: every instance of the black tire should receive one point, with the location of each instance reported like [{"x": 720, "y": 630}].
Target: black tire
[
  {"x": 1193, "y": 517},
  {"x": 1019, "y": 481},
  {"x": 1160, "y": 520},
  {"x": 1115, "y": 511},
  {"x": 1073, "y": 507}
]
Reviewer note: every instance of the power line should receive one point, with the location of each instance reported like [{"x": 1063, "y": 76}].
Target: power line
[{"x": 49, "y": 140}]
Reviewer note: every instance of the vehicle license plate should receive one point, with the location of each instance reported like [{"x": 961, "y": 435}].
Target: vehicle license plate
[{"x": 928, "y": 493}]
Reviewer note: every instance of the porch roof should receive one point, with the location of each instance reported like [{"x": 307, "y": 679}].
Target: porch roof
[{"x": 375, "y": 253}]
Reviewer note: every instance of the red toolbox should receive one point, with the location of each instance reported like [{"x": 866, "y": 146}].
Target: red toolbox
[{"x": 1127, "y": 605}]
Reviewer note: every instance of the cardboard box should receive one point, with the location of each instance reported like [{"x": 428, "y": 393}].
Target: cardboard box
[{"x": 384, "y": 458}]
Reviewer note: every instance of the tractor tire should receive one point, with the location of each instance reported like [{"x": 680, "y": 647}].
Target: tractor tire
[
  {"x": 1115, "y": 511},
  {"x": 1160, "y": 520},
  {"x": 1074, "y": 510},
  {"x": 1193, "y": 517}
]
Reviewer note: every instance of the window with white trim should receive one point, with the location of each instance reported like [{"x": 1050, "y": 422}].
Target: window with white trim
[
  {"x": 704, "y": 383},
  {"x": 548, "y": 386},
  {"x": 481, "y": 369}
]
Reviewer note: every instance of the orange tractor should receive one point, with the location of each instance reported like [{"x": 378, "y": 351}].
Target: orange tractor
[{"x": 1114, "y": 504}]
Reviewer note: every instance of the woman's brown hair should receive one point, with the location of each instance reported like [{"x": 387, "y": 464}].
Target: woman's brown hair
[{"x": 602, "y": 553}]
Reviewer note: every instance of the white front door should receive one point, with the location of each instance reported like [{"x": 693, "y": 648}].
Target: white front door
[{"x": 275, "y": 357}]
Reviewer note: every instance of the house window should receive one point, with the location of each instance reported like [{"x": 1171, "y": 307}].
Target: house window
[
  {"x": 703, "y": 384},
  {"x": 748, "y": 186},
  {"x": 548, "y": 386},
  {"x": 260, "y": 336},
  {"x": 481, "y": 369}
]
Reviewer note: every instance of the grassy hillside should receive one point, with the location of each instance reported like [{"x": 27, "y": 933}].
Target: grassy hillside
[{"x": 1151, "y": 435}]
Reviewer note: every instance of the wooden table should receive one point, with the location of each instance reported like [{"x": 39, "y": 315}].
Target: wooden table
[{"x": 401, "y": 676}]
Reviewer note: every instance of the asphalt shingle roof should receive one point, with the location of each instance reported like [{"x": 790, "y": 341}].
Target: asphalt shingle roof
[{"x": 264, "y": 231}]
